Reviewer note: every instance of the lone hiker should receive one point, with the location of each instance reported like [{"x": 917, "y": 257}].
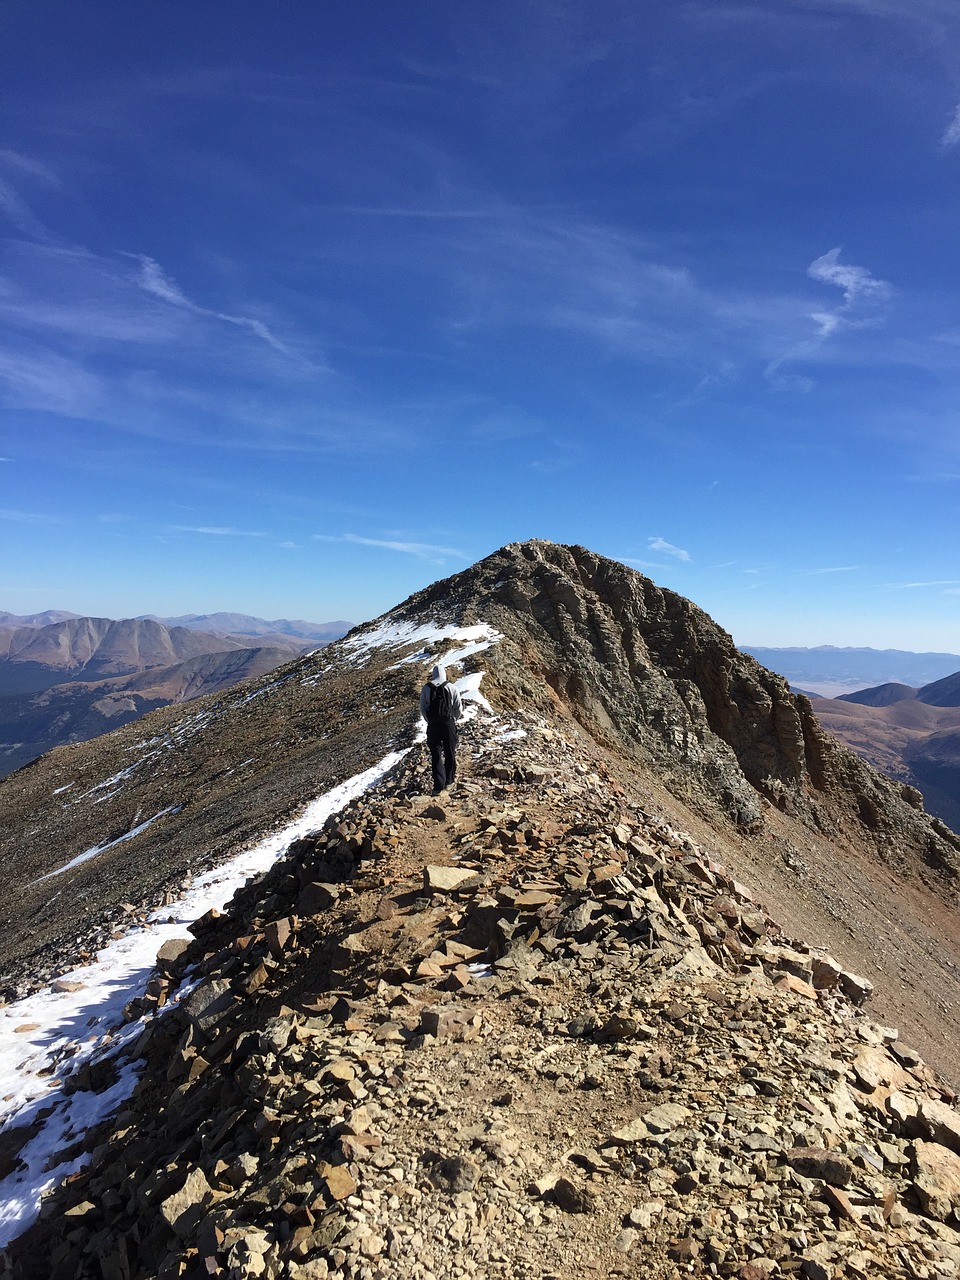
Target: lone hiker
[{"x": 441, "y": 707}]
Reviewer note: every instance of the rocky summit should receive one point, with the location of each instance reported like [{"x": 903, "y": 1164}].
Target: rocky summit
[{"x": 664, "y": 986}]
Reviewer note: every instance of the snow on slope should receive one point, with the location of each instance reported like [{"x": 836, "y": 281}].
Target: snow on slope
[{"x": 47, "y": 1037}]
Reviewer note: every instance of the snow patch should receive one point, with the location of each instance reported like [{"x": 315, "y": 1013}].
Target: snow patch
[
  {"x": 397, "y": 634},
  {"x": 510, "y": 735},
  {"x": 61, "y": 1030},
  {"x": 110, "y": 844}
]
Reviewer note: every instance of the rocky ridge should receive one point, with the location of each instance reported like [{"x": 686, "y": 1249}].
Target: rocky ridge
[
  {"x": 651, "y": 676},
  {"x": 527, "y": 1029}
]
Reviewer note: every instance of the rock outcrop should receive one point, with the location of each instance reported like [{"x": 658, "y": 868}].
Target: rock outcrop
[{"x": 647, "y": 672}]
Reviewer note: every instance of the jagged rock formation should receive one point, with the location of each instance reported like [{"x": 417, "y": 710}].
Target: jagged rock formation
[
  {"x": 647, "y": 671},
  {"x": 646, "y": 1075}
]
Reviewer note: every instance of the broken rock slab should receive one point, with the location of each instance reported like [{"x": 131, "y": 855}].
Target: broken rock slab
[
  {"x": 937, "y": 1181},
  {"x": 447, "y": 879}
]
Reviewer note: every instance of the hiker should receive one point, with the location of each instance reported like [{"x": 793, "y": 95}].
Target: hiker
[{"x": 441, "y": 707}]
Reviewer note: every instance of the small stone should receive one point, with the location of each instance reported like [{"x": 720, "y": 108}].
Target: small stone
[
  {"x": 669, "y": 1115},
  {"x": 818, "y": 1162},
  {"x": 571, "y": 1198},
  {"x": 339, "y": 1181},
  {"x": 619, "y": 1027},
  {"x": 183, "y": 1210},
  {"x": 454, "y": 1174},
  {"x": 583, "y": 1025},
  {"x": 839, "y": 1201},
  {"x": 316, "y": 897},
  {"x": 625, "y": 1240},
  {"x": 937, "y": 1180},
  {"x": 532, "y": 900},
  {"x": 854, "y": 987},
  {"x": 278, "y": 934},
  {"x": 686, "y": 1250},
  {"x": 634, "y": 1131},
  {"x": 172, "y": 950}
]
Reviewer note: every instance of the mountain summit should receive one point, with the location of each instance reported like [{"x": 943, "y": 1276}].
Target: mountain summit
[{"x": 539, "y": 1026}]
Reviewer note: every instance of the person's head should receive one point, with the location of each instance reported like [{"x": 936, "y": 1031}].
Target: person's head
[{"x": 438, "y": 674}]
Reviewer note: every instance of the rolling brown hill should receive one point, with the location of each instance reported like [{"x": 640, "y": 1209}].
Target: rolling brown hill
[
  {"x": 914, "y": 738},
  {"x": 542, "y": 1027},
  {"x": 83, "y": 649}
]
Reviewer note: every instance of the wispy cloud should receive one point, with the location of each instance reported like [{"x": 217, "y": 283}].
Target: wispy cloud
[
  {"x": 13, "y": 206},
  {"x": 936, "y": 582},
  {"x": 842, "y": 568},
  {"x": 951, "y": 135},
  {"x": 442, "y": 215},
  {"x": 659, "y": 544},
  {"x": 49, "y": 382},
  {"x": 864, "y": 302},
  {"x": 422, "y": 550},
  {"x": 863, "y": 294},
  {"x": 642, "y": 564},
  {"x": 152, "y": 279},
  {"x": 216, "y": 531},
  {"x": 28, "y": 517}
]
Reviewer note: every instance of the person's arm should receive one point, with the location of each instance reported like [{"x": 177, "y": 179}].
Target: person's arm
[
  {"x": 426, "y": 695},
  {"x": 457, "y": 703}
]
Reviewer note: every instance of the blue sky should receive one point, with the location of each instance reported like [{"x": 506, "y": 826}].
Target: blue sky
[{"x": 303, "y": 306}]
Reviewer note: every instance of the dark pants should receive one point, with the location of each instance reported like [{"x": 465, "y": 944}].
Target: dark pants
[{"x": 442, "y": 741}]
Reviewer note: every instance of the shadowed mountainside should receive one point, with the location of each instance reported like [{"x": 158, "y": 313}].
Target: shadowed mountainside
[
  {"x": 911, "y": 734},
  {"x": 33, "y": 723},
  {"x": 884, "y": 695}
]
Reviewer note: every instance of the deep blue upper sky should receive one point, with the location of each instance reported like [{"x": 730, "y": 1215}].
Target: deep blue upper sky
[{"x": 305, "y": 305}]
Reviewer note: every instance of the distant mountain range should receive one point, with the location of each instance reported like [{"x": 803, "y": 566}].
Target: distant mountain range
[
  {"x": 35, "y": 619},
  {"x": 830, "y": 671},
  {"x": 243, "y": 624},
  {"x": 66, "y": 678}
]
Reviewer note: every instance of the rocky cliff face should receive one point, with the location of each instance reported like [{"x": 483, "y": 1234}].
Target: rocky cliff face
[{"x": 537, "y": 1028}]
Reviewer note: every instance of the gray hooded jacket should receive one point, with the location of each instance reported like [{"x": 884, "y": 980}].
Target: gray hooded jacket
[{"x": 438, "y": 676}]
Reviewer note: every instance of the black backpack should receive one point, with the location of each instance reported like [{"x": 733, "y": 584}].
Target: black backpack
[{"x": 440, "y": 710}]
